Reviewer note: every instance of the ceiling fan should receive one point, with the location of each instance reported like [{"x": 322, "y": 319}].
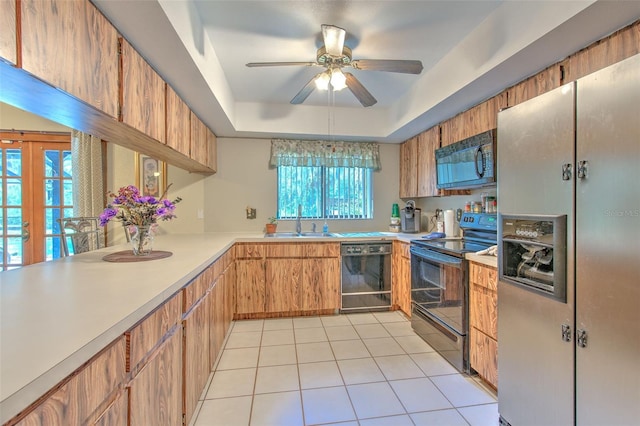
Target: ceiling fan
[{"x": 334, "y": 56}]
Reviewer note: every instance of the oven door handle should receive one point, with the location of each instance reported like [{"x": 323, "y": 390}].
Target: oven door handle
[{"x": 436, "y": 257}]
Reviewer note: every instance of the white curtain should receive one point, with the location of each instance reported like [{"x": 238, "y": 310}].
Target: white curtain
[
  {"x": 86, "y": 164},
  {"x": 320, "y": 153}
]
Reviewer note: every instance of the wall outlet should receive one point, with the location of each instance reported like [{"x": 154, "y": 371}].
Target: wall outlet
[
  {"x": 200, "y": 214},
  {"x": 251, "y": 213}
]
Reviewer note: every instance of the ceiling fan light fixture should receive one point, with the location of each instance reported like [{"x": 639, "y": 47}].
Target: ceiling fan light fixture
[
  {"x": 322, "y": 81},
  {"x": 333, "y": 39},
  {"x": 338, "y": 79}
]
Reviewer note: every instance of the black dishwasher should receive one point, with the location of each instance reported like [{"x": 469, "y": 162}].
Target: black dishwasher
[{"x": 366, "y": 276}]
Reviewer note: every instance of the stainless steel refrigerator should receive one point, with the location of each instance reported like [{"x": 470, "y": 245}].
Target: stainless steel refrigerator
[{"x": 569, "y": 294}]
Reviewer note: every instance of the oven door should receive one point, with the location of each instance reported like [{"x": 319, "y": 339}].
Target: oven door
[{"x": 438, "y": 288}]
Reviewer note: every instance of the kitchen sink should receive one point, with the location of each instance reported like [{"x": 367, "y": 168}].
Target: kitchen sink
[{"x": 300, "y": 235}]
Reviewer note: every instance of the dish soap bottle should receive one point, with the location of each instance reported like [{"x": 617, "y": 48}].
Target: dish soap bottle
[{"x": 325, "y": 228}]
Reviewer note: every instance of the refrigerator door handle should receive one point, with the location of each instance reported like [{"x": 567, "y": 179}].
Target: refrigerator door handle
[
  {"x": 567, "y": 171},
  {"x": 583, "y": 168},
  {"x": 566, "y": 332},
  {"x": 581, "y": 338}
]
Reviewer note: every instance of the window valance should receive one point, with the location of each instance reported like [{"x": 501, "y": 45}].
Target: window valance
[{"x": 323, "y": 153}]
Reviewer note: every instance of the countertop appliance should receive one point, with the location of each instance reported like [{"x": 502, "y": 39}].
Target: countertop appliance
[
  {"x": 410, "y": 218},
  {"x": 440, "y": 286},
  {"x": 366, "y": 276},
  {"x": 469, "y": 163},
  {"x": 569, "y": 158}
]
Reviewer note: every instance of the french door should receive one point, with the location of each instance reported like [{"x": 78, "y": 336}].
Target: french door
[{"x": 36, "y": 188}]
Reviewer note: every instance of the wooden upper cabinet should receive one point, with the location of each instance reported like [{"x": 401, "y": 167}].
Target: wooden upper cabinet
[
  {"x": 478, "y": 119},
  {"x": 198, "y": 150},
  {"x": 212, "y": 150},
  {"x": 428, "y": 142},
  {"x": 8, "y": 38},
  {"x": 142, "y": 93},
  {"x": 536, "y": 85},
  {"x": 409, "y": 168},
  {"x": 178, "y": 123},
  {"x": 70, "y": 45}
]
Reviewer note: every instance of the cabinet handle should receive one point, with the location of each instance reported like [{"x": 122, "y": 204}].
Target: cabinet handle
[{"x": 581, "y": 338}]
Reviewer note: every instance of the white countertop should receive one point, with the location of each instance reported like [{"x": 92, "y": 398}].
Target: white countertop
[
  {"x": 56, "y": 315},
  {"x": 483, "y": 259}
]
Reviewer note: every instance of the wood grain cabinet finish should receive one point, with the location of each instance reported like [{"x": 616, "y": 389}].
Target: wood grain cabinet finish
[
  {"x": 8, "y": 35},
  {"x": 283, "y": 284},
  {"x": 478, "y": 119},
  {"x": 155, "y": 393},
  {"x": 250, "y": 286},
  {"x": 142, "y": 94},
  {"x": 320, "y": 284},
  {"x": 199, "y": 150},
  {"x": 483, "y": 321},
  {"x": 196, "y": 364},
  {"x": 178, "y": 123},
  {"x": 401, "y": 273},
  {"x": 409, "y": 168},
  {"x": 70, "y": 45},
  {"x": 427, "y": 181},
  {"x": 78, "y": 399},
  {"x": 212, "y": 151},
  {"x": 117, "y": 413}
]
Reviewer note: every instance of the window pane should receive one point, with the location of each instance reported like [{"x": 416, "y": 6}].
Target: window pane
[
  {"x": 68, "y": 192},
  {"x": 51, "y": 163},
  {"x": 50, "y": 221},
  {"x": 14, "y": 221},
  {"x": 14, "y": 162},
  {"x": 299, "y": 186},
  {"x": 14, "y": 192},
  {"x": 14, "y": 249},
  {"x": 66, "y": 164},
  {"x": 52, "y": 192},
  {"x": 53, "y": 249}
]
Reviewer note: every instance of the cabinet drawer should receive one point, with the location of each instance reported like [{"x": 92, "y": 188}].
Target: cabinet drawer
[
  {"x": 483, "y": 310},
  {"x": 248, "y": 251},
  {"x": 484, "y": 276},
  {"x": 197, "y": 288},
  {"x": 322, "y": 250},
  {"x": 284, "y": 250},
  {"x": 484, "y": 356},
  {"x": 148, "y": 333}
]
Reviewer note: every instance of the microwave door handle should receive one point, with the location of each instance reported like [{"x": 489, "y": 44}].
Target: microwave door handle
[{"x": 479, "y": 172}]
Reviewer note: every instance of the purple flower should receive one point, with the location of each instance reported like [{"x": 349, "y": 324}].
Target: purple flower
[{"x": 107, "y": 215}]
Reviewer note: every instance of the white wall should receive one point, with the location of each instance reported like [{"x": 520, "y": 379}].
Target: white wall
[{"x": 245, "y": 179}]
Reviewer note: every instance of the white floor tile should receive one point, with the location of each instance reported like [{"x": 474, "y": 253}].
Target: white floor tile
[
  {"x": 390, "y": 316},
  {"x": 277, "y": 378},
  {"x": 277, "y": 409},
  {"x": 413, "y": 344},
  {"x": 383, "y": 346},
  {"x": 247, "y": 325},
  {"x": 238, "y": 358},
  {"x": 419, "y": 395},
  {"x": 461, "y": 390},
  {"x": 278, "y": 324},
  {"x": 371, "y": 331},
  {"x": 277, "y": 355},
  {"x": 228, "y": 383},
  {"x": 366, "y": 318},
  {"x": 335, "y": 320},
  {"x": 397, "y": 329},
  {"x": 481, "y": 415},
  {"x": 225, "y": 412},
  {"x": 374, "y": 400},
  {"x": 277, "y": 337},
  {"x": 314, "y": 352},
  {"x": 243, "y": 339},
  {"x": 327, "y": 405},
  {"x": 403, "y": 420},
  {"x": 342, "y": 332},
  {"x": 319, "y": 375},
  {"x": 396, "y": 367},
  {"x": 439, "y": 418},
  {"x": 307, "y": 322},
  {"x": 433, "y": 364},
  {"x": 349, "y": 349},
  {"x": 310, "y": 335},
  {"x": 364, "y": 370}
]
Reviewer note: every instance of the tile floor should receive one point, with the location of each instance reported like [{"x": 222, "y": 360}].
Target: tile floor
[{"x": 356, "y": 369}]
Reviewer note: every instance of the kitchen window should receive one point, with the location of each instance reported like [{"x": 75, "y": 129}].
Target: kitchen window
[{"x": 325, "y": 192}]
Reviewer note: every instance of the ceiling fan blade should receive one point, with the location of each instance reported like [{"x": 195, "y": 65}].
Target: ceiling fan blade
[
  {"x": 388, "y": 65},
  {"x": 305, "y": 91},
  {"x": 359, "y": 91},
  {"x": 280, "y": 64},
  {"x": 333, "y": 39}
]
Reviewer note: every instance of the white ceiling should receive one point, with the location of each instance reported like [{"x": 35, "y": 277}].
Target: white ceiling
[{"x": 470, "y": 50}]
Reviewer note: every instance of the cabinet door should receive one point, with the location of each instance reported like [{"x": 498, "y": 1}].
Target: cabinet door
[
  {"x": 428, "y": 142},
  {"x": 116, "y": 413},
  {"x": 250, "y": 286},
  {"x": 178, "y": 123},
  {"x": 229, "y": 296},
  {"x": 8, "y": 39},
  {"x": 156, "y": 393},
  {"x": 483, "y": 309},
  {"x": 478, "y": 119},
  {"x": 212, "y": 151},
  {"x": 321, "y": 284},
  {"x": 401, "y": 267},
  {"x": 217, "y": 314},
  {"x": 409, "y": 168},
  {"x": 283, "y": 287},
  {"x": 198, "y": 150},
  {"x": 143, "y": 94},
  {"x": 196, "y": 353},
  {"x": 484, "y": 356},
  {"x": 70, "y": 45}
]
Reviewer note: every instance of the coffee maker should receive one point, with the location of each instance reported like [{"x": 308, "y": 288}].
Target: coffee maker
[{"x": 410, "y": 218}]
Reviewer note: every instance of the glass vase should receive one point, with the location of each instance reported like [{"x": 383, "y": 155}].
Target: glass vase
[{"x": 142, "y": 239}]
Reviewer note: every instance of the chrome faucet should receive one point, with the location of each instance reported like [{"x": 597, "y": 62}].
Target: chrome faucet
[
  {"x": 313, "y": 227},
  {"x": 298, "y": 224}
]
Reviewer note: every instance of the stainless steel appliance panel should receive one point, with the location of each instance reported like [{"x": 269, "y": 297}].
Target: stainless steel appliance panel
[
  {"x": 608, "y": 246},
  {"x": 535, "y": 366},
  {"x": 366, "y": 276}
]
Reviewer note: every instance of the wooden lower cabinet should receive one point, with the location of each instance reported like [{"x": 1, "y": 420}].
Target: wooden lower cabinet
[
  {"x": 401, "y": 281},
  {"x": 483, "y": 321},
  {"x": 320, "y": 284},
  {"x": 250, "y": 286},
  {"x": 196, "y": 364},
  {"x": 117, "y": 413},
  {"x": 155, "y": 394},
  {"x": 283, "y": 285}
]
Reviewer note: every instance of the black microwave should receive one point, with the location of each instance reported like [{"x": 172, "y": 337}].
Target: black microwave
[{"x": 469, "y": 163}]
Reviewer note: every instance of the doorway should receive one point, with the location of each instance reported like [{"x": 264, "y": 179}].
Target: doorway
[{"x": 36, "y": 188}]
